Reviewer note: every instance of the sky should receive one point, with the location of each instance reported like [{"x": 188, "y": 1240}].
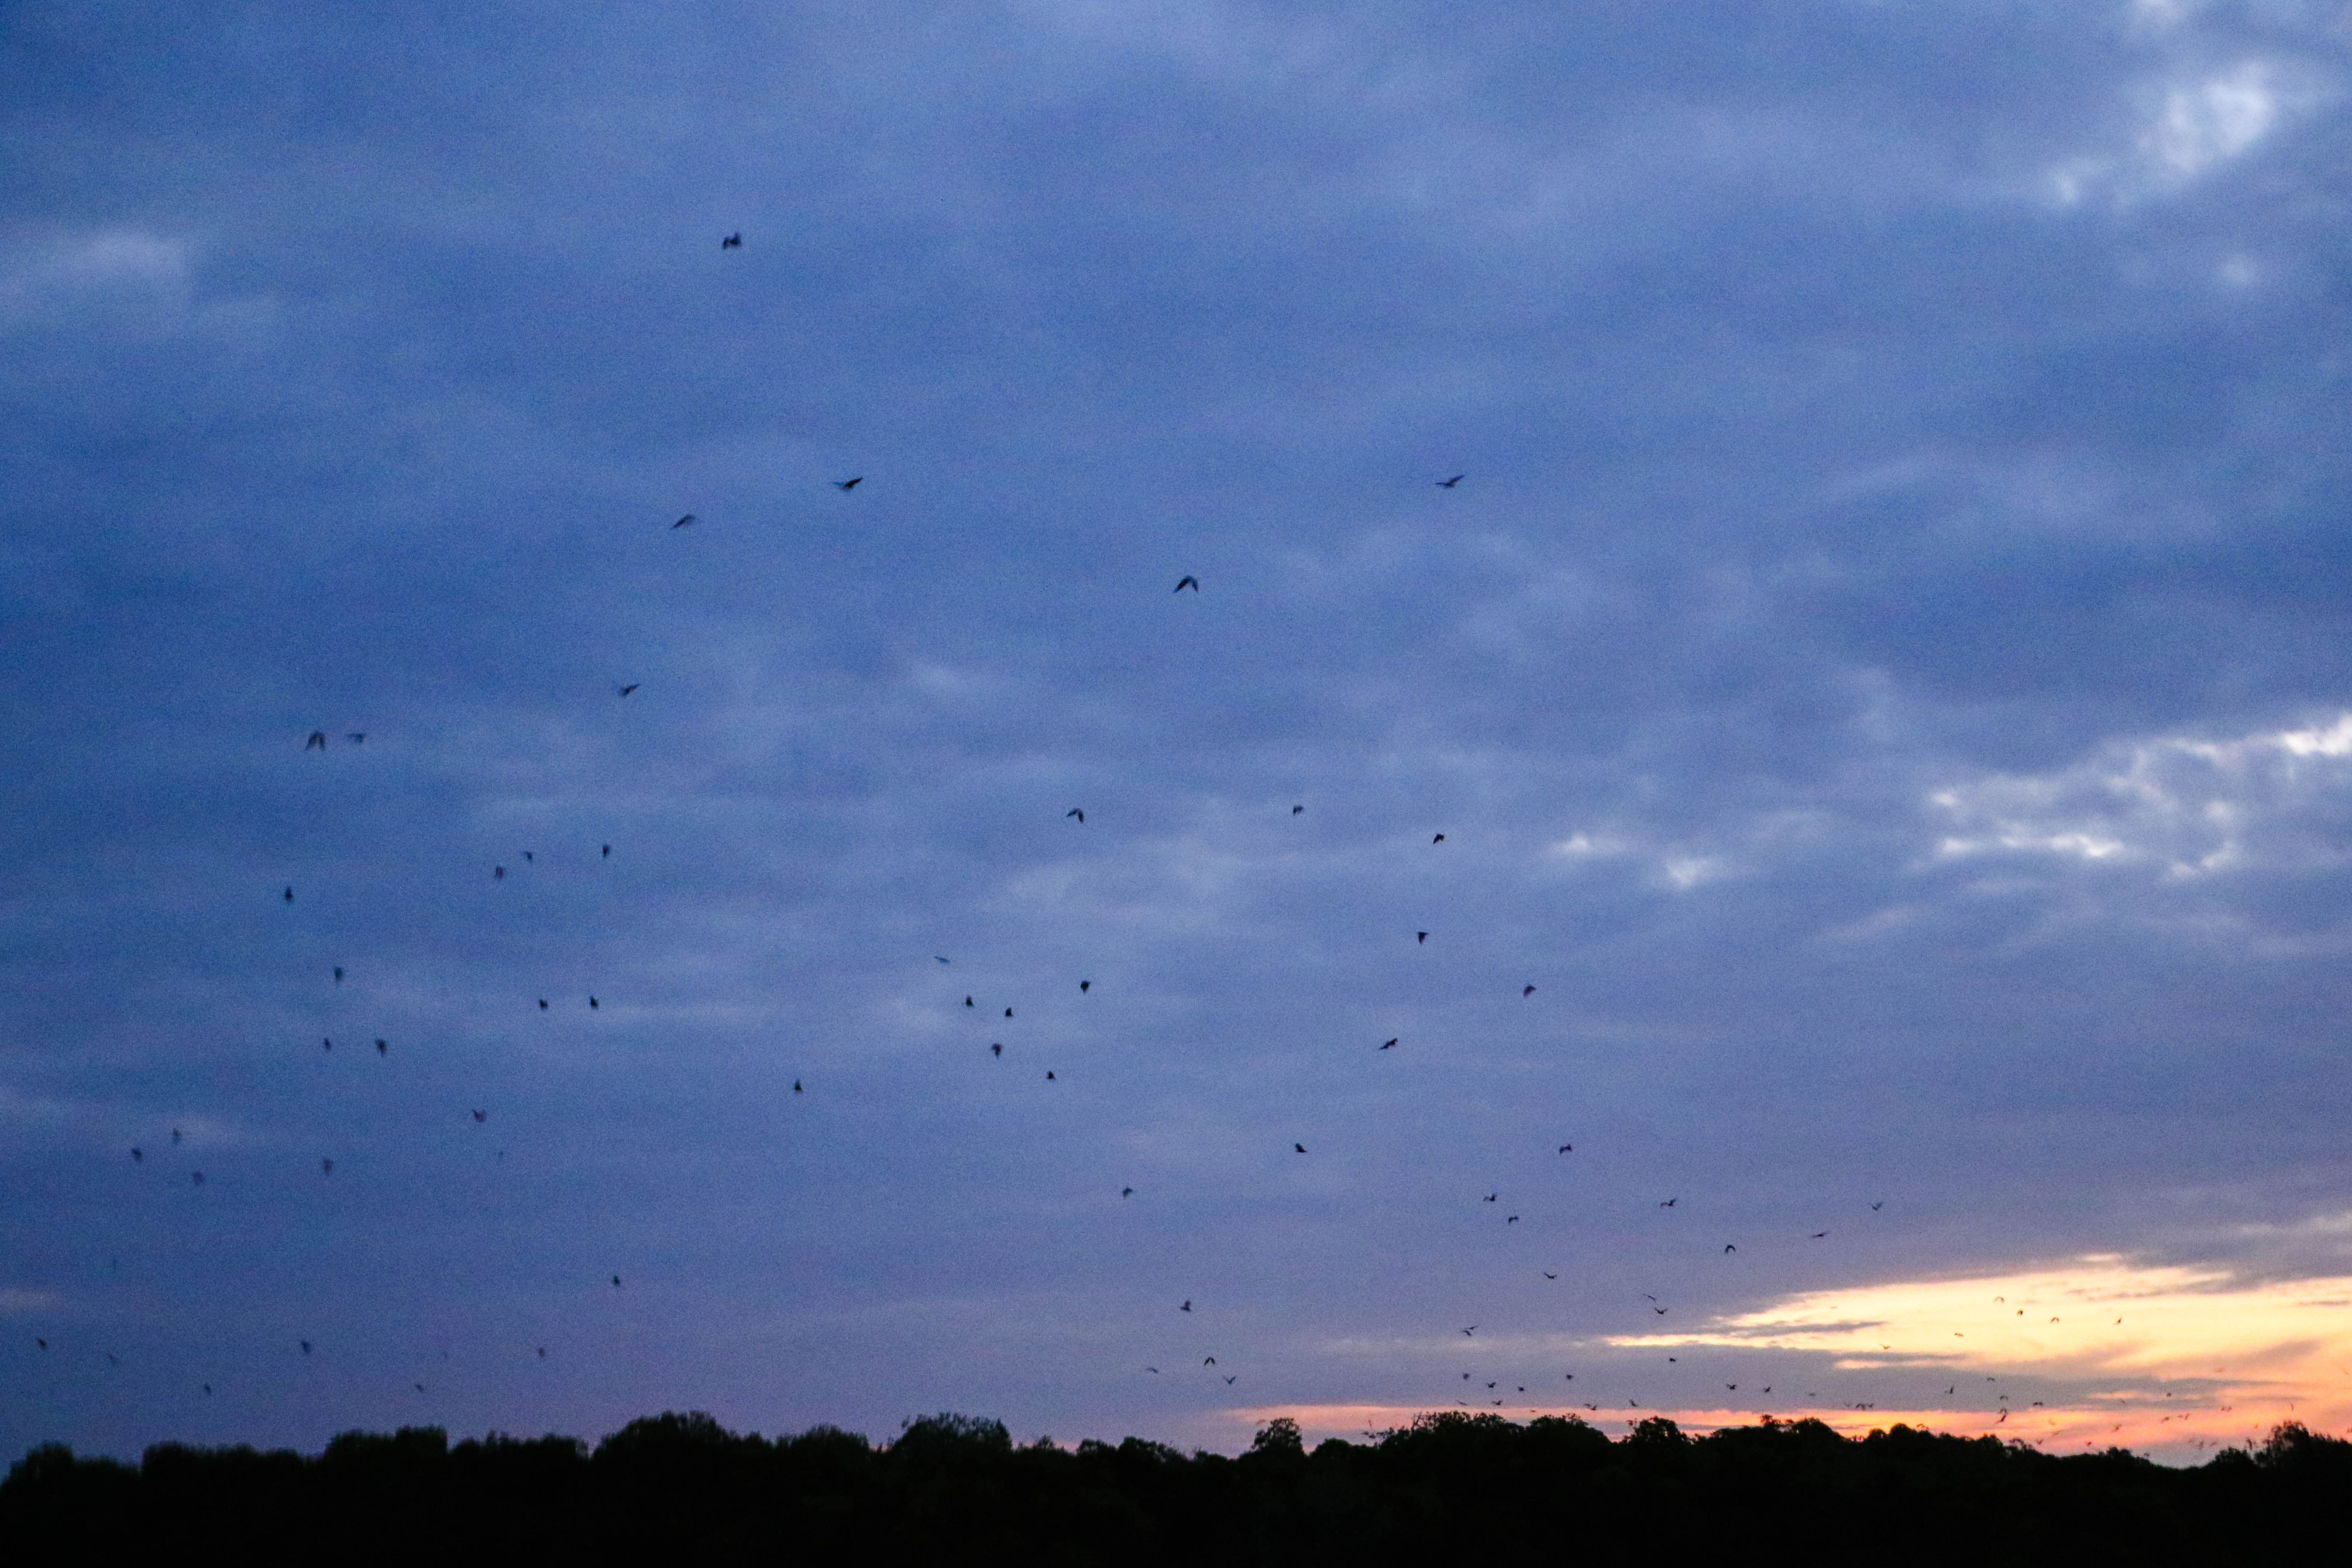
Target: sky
[{"x": 1845, "y": 808}]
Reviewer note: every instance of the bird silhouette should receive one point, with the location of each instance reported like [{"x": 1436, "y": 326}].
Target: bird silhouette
[
  {"x": 1439, "y": 840},
  {"x": 339, "y": 974},
  {"x": 316, "y": 742},
  {"x": 1187, "y": 1306},
  {"x": 357, "y": 737},
  {"x": 1549, "y": 1274},
  {"x": 1727, "y": 1247},
  {"x": 381, "y": 1046},
  {"x": 1127, "y": 1192},
  {"x": 1660, "y": 1310},
  {"x": 616, "y": 1281},
  {"x": 1669, "y": 1203},
  {"x": 1297, "y": 809},
  {"x": 529, "y": 856},
  {"x": 937, "y": 957},
  {"x": 1208, "y": 1360},
  {"x": 1049, "y": 1075},
  {"x": 1229, "y": 1379},
  {"x": 997, "y": 1049},
  {"x": 1875, "y": 1207},
  {"x": 1300, "y": 1147},
  {"x": 849, "y": 484},
  {"x": 733, "y": 242},
  {"x": 1471, "y": 1333},
  {"x": 542, "y": 1004},
  {"x": 1081, "y": 815},
  {"x": 796, "y": 1087},
  {"x": 967, "y": 1001},
  {"x": 1490, "y": 1197},
  {"x": 1818, "y": 1234},
  {"x": 1528, "y": 991},
  {"x": 497, "y": 873},
  {"x": 1568, "y": 1148},
  {"x": 1449, "y": 484},
  {"x": 289, "y": 895},
  {"x": 624, "y": 691},
  {"x": 1085, "y": 986},
  {"x": 1419, "y": 937},
  {"x": 137, "y": 1157},
  {"x": 326, "y": 1167},
  {"x": 608, "y": 853},
  {"x": 1008, "y": 1012},
  {"x": 591, "y": 1003},
  {"x": 481, "y": 1116},
  {"x": 682, "y": 521},
  {"x": 1390, "y": 1045},
  {"x": 199, "y": 1178},
  {"x": 305, "y": 1344}
]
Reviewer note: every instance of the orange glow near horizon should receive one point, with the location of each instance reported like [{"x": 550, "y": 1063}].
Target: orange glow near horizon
[{"x": 2172, "y": 1360}]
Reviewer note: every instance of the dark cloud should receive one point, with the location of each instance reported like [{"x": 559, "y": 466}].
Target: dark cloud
[{"x": 1876, "y": 682}]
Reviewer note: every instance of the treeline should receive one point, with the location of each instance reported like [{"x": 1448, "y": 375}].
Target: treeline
[{"x": 954, "y": 1491}]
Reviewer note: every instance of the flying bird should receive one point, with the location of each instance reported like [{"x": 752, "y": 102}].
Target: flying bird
[
  {"x": 608, "y": 852},
  {"x": 796, "y": 1087},
  {"x": 356, "y": 737},
  {"x": 381, "y": 1046},
  {"x": 339, "y": 974},
  {"x": 1818, "y": 1234},
  {"x": 1208, "y": 1360},
  {"x": 1127, "y": 1192},
  {"x": 1728, "y": 1248},
  {"x": 1549, "y": 1274},
  {"x": 996, "y": 1050},
  {"x": 481, "y": 1116},
  {"x": 624, "y": 691},
  {"x": 1490, "y": 1197},
  {"x": 1297, "y": 809},
  {"x": 1391, "y": 1043},
  {"x": 1876, "y": 1207},
  {"x": 849, "y": 484},
  {"x": 137, "y": 1157},
  {"x": 1528, "y": 991},
  {"x": 733, "y": 242},
  {"x": 199, "y": 1178},
  {"x": 1419, "y": 937},
  {"x": 1187, "y": 1306},
  {"x": 305, "y": 1344},
  {"x": 1568, "y": 1148},
  {"x": 497, "y": 873},
  {"x": 1085, "y": 986},
  {"x": 682, "y": 521},
  {"x": 316, "y": 742},
  {"x": 937, "y": 956},
  {"x": 616, "y": 1281},
  {"x": 1470, "y": 1332},
  {"x": 967, "y": 1001},
  {"x": 289, "y": 895},
  {"x": 1449, "y": 484},
  {"x": 1669, "y": 1203},
  {"x": 1081, "y": 815},
  {"x": 1008, "y": 1012},
  {"x": 542, "y": 1004},
  {"x": 1049, "y": 1075},
  {"x": 326, "y": 1167},
  {"x": 1300, "y": 1147},
  {"x": 592, "y": 1003},
  {"x": 1229, "y": 1379},
  {"x": 1439, "y": 840}
]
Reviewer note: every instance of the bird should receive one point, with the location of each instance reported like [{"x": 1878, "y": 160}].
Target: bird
[
  {"x": 1297, "y": 809},
  {"x": 1391, "y": 1043},
  {"x": 305, "y": 1344},
  {"x": 289, "y": 895},
  {"x": 1528, "y": 991},
  {"x": 381, "y": 1048},
  {"x": 1439, "y": 840},
  {"x": 1449, "y": 484},
  {"x": 316, "y": 742},
  {"x": 616, "y": 1281},
  {"x": 1490, "y": 1197},
  {"x": 608, "y": 852},
  {"x": 796, "y": 1087},
  {"x": 1876, "y": 1207},
  {"x": 1419, "y": 937},
  {"x": 199, "y": 1178},
  {"x": 997, "y": 1048},
  {"x": 1085, "y": 986},
  {"x": 1818, "y": 1234},
  {"x": 733, "y": 242},
  {"x": 542, "y": 1004},
  {"x": 1127, "y": 1192},
  {"x": 1081, "y": 815},
  {"x": 1733, "y": 1386},
  {"x": 527, "y": 855},
  {"x": 138, "y": 1157},
  {"x": 967, "y": 1001},
  {"x": 1187, "y": 1306},
  {"x": 1152, "y": 1370},
  {"x": 682, "y": 521},
  {"x": 1669, "y": 1203},
  {"x": 326, "y": 1167},
  {"x": 1513, "y": 1219},
  {"x": 1208, "y": 1360},
  {"x": 1229, "y": 1379},
  {"x": 356, "y": 737},
  {"x": 937, "y": 957},
  {"x": 1727, "y": 1247},
  {"x": 339, "y": 974},
  {"x": 849, "y": 484},
  {"x": 542, "y": 1353},
  {"x": 1188, "y": 581},
  {"x": 497, "y": 873},
  {"x": 175, "y": 1136},
  {"x": 1008, "y": 1012},
  {"x": 592, "y": 1003},
  {"x": 1549, "y": 1274},
  {"x": 1471, "y": 1333},
  {"x": 1049, "y": 1075},
  {"x": 624, "y": 691},
  {"x": 481, "y": 1116},
  {"x": 1660, "y": 1310},
  {"x": 1568, "y": 1148},
  {"x": 1300, "y": 1147}
]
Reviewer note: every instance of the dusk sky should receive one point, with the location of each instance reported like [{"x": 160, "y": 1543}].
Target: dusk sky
[{"x": 1883, "y": 678}]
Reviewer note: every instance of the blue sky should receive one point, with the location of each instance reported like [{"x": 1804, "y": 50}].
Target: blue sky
[{"x": 1882, "y": 681}]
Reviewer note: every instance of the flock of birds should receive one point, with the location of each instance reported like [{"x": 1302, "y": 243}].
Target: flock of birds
[{"x": 1501, "y": 1387}]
